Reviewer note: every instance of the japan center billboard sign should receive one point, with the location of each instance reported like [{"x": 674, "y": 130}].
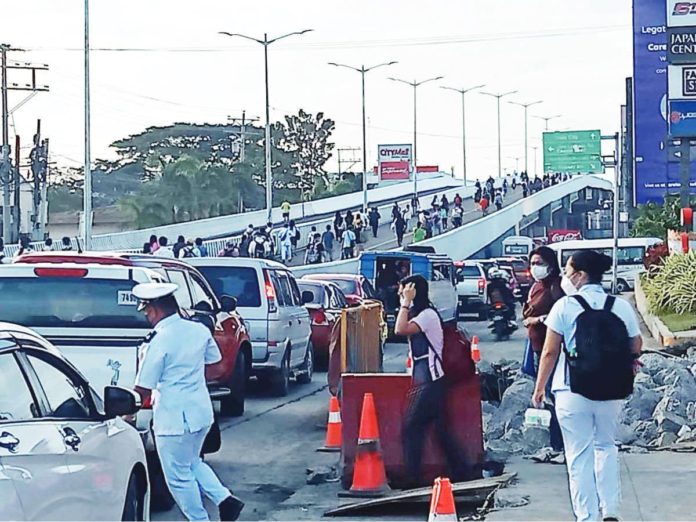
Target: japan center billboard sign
[
  {"x": 394, "y": 162},
  {"x": 573, "y": 151}
]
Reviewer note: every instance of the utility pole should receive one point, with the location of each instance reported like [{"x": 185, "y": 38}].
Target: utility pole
[
  {"x": 362, "y": 70},
  {"x": 526, "y": 147},
  {"x": 39, "y": 168},
  {"x": 415, "y": 84},
  {"x": 87, "y": 189},
  {"x": 498, "y": 97},
  {"x": 269, "y": 175},
  {"x": 463, "y": 93},
  {"x": 5, "y": 165},
  {"x": 242, "y": 131},
  {"x": 17, "y": 188}
]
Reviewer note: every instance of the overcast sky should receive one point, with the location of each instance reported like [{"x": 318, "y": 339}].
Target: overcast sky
[{"x": 171, "y": 65}]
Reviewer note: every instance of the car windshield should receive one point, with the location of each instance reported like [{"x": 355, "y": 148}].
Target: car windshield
[
  {"x": 349, "y": 286},
  {"x": 239, "y": 282},
  {"x": 316, "y": 289},
  {"x": 70, "y": 302}
]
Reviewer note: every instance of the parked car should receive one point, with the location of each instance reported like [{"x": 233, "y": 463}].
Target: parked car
[
  {"x": 471, "y": 288},
  {"x": 65, "y": 454},
  {"x": 277, "y": 321},
  {"x": 227, "y": 379},
  {"x": 356, "y": 288},
  {"x": 324, "y": 301}
]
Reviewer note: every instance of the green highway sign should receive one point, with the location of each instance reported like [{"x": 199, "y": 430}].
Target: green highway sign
[{"x": 573, "y": 151}]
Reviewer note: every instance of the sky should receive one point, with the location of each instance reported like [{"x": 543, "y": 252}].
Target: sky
[{"x": 156, "y": 62}]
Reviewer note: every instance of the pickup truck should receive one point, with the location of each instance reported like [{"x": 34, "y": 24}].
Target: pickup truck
[{"x": 471, "y": 288}]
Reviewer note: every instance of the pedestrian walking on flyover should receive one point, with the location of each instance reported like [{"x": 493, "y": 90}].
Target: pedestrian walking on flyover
[
  {"x": 593, "y": 376},
  {"x": 373, "y": 217},
  {"x": 426, "y": 400},
  {"x": 172, "y": 375},
  {"x": 399, "y": 229}
]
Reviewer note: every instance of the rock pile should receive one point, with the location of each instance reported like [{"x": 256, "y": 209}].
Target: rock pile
[{"x": 661, "y": 411}]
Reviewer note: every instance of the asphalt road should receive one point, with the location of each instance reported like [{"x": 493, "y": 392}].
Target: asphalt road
[{"x": 265, "y": 453}]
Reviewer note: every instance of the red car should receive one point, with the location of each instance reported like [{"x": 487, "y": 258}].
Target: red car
[
  {"x": 226, "y": 379},
  {"x": 357, "y": 288},
  {"x": 324, "y": 304}
]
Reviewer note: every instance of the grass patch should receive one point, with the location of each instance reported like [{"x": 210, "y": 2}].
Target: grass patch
[{"x": 678, "y": 322}]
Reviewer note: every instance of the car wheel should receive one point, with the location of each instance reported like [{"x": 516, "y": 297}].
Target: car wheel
[
  {"x": 160, "y": 497},
  {"x": 280, "y": 380},
  {"x": 621, "y": 286},
  {"x": 233, "y": 405},
  {"x": 307, "y": 368},
  {"x": 133, "y": 506}
]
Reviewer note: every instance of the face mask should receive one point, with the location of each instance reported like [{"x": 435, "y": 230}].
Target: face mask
[
  {"x": 568, "y": 287},
  {"x": 539, "y": 272}
]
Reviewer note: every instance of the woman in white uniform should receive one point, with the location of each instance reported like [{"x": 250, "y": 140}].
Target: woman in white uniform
[{"x": 588, "y": 426}]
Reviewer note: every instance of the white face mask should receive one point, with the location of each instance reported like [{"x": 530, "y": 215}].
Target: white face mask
[
  {"x": 567, "y": 286},
  {"x": 540, "y": 272}
]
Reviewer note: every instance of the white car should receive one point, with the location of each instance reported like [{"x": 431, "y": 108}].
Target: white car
[{"x": 64, "y": 453}]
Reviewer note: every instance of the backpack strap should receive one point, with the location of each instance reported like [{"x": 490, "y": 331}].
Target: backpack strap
[
  {"x": 609, "y": 303},
  {"x": 582, "y": 302}
]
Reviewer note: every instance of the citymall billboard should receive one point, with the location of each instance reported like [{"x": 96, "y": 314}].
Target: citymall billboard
[
  {"x": 394, "y": 161},
  {"x": 654, "y": 175}
]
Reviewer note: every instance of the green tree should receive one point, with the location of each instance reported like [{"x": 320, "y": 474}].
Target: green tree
[{"x": 654, "y": 220}]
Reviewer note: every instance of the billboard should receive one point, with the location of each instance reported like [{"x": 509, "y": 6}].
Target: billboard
[
  {"x": 680, "y": 13},
  {"x": 573, "y": 151},
  {"x": 681, "y": 45},
  {"x": 682, "y": 118},
  {"x": 652, "y": 175},
  {"x": 682, "y": 81},
  {"x": 394, "y": 162}
]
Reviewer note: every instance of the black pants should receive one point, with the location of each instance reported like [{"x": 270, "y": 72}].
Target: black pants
[
  {"x": 400, "y": 238},
  {"x": 555, "y": 435},
  {"x": 374, "y": 229},
  {"x": 426, "y": 404}
]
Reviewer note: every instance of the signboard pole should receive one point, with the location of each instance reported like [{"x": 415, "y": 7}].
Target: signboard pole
[
  {"x": 684, "y": 175},
  {"x": 615, "y": 249}
]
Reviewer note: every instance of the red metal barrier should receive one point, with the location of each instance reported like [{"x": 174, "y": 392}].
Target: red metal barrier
[{"x": 464, "y": 421}]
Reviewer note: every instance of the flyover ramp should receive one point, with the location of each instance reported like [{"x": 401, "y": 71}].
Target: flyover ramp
[{"x": 465, "y": 241}]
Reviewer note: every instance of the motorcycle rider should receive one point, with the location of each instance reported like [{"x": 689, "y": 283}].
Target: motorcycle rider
[{"x": 499, "y": 292}]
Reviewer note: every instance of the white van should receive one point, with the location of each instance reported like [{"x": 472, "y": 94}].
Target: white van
[
  {"x": 270, "y": 302},
  {"x": 518, "y": 246},
  {"x": 629, "y": 264}
]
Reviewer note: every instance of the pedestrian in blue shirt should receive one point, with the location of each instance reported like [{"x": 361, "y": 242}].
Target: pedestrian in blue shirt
[{"x": 327, "y": 238}]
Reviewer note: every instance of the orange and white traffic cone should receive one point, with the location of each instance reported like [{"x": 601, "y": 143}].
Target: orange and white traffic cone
[
  {"x": 442, "y": 506},
  {"x": 475, "y": 352},
  {"x": 369, "y": 476},
  {"x": 334, "y": 428},
  {"x": 409, "y": 365}
]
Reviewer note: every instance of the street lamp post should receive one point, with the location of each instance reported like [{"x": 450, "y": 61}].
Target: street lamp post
[
  {"x": 463, "y": 93},
  {"x": 526, "y": 148},
  {"x": 362, "y": 70},
  {"x": 498, "y": 97},
  {"x": 547, "y": 119},
  {"x": 415, "y": 84},
  {"x": 87, "y": 189},
  {"x": 267, "y": 145}
]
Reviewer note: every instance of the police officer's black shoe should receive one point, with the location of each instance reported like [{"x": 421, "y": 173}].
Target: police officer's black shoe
[{"x": 230, "y": 508}]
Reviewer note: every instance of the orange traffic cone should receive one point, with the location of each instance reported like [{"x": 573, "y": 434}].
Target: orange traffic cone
[
  {"x": 475, "y": 353},
  {"x": 409, "y": 365},
  {"x": 334, "y": 428},
  {"x": 369, "y": 476},
  {"x": 442, "y": 502}
]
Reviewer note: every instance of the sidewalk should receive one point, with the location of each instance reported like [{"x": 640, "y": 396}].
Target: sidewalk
[{"x": 655, "y": 486}]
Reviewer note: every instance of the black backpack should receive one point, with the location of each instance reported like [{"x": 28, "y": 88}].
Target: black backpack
[{"x": 602, "y": 367}]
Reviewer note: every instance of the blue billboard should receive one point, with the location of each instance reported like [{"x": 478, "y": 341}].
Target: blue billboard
[
  {"x": 654, "y": 174},
  {"x": 682, "y": 118}
]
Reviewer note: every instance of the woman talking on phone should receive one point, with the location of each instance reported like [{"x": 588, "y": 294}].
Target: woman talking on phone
[{"x": 421, "y": 324}]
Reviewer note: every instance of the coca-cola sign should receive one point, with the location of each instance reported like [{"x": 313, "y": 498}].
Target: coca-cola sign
[{"x": 556, "y": 236}]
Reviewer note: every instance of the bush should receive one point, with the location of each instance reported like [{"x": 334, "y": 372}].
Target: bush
[{"x": 671, "y": 286}]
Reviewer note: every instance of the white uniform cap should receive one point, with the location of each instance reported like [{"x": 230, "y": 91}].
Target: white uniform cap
[{"x": 148, "y": 292}]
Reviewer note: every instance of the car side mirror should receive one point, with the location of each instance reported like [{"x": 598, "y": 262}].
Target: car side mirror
[
  {"x": 120, "y": 401},
  {"x": 307, "y": 296},
  {"x": 228, "y": 303}
]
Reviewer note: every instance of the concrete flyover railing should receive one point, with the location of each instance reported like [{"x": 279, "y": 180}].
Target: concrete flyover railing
[{"x": 465, "y": 241}]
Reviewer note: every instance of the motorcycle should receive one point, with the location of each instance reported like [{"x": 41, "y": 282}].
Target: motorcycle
[{"x": 500, "y": 324}]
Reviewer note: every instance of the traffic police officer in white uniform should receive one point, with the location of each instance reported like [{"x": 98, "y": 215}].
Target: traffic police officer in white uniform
[{"x": 172, "y": 373}]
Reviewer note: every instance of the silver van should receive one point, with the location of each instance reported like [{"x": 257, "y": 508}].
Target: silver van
[{"x": 278, "y": 324}]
